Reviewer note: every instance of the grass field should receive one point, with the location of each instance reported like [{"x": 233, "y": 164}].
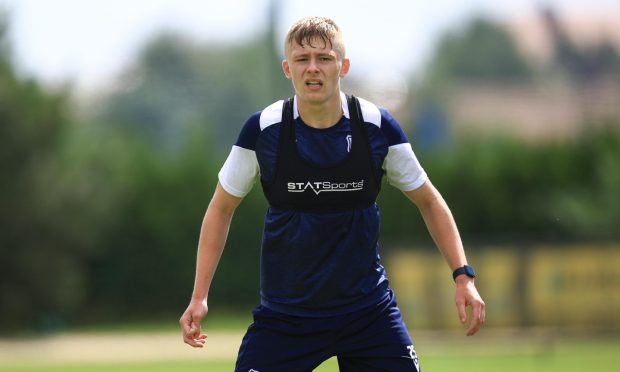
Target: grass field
[
  {"x": 588, "y": 356},
  {"x": 493, "y": 351}
]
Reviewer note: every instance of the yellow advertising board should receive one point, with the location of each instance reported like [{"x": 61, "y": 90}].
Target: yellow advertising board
[
  {"x": 574, "y": 285},
  {"x": 522, "y": 286}
]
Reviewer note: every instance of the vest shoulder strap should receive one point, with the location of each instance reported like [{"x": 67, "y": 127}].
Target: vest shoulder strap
[{"x": 355, "y": 110}]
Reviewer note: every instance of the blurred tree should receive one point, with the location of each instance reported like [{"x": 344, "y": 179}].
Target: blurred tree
[
  {"x": 146, "y": 266},
  {"x": 176, "y": 82},
  {"x": 483, "y": 51},
  {"x": 46, "y": 234},
  {"x": 149, "y": 247},
  {"x": 590, "y": 209},
  {"x": 500, "y": 188}
]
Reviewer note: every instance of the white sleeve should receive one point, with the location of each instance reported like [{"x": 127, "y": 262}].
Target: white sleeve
[
  {"x": 402, "y": 168},
  {"x": 239, "y": 172}
]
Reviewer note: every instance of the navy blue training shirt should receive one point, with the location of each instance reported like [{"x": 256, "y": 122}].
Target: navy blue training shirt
[{"x": 320, "y": 263}]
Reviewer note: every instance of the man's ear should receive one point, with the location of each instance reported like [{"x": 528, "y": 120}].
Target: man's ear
[
  {"x": 344, "y": 70},
  {"x": 286, "y": 68}
]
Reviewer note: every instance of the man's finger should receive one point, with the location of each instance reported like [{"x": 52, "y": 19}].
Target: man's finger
[
  {"x": 195, "y": 341},
  {"x": 473, "y": 327},
  {"x": 477, "y": 318},
  {"x": 462, "y": 313}
]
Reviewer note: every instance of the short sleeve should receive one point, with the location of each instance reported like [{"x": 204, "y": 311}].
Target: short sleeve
[
  {"x": 239, "y": 172},
  {"x": 402, "y": 168}
]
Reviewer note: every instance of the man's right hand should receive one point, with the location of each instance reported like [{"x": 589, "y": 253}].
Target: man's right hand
[{"x": 190, "y": 323}]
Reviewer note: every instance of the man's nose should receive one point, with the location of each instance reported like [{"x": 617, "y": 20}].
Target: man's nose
[{"x": 314, "y": 65}]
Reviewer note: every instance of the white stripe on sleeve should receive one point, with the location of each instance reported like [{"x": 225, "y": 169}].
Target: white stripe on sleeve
[
  {"x": 402, "y": 168},
  {"x": 239, "y": 172}
]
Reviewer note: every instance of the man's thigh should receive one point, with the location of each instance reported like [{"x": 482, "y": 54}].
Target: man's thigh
[
  {"x": 377, "y": 341},
  {"x": 272, "y": 345}
]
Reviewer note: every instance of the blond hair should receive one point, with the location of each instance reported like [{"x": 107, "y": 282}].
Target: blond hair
[{"x": 307, "y": 29}]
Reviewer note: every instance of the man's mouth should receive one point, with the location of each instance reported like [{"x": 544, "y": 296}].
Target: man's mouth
[{"x": 312, "y": 83}]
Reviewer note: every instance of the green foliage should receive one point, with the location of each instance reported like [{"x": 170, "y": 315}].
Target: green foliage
[
  {"x": 42, "y": 243},
  {"x": 154, "y": 230},
  {"x": 590, "y": 208},
  {"x": 501, "y": 188}
]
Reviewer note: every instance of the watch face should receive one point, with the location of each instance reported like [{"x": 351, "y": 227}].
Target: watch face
[{"x": 469, "y": 271}]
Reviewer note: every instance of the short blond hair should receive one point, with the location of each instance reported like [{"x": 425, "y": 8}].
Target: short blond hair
[{"x": 304, "y": 31}]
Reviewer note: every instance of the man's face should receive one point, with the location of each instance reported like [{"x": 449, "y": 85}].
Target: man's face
[{"x": 315, "y": 71}]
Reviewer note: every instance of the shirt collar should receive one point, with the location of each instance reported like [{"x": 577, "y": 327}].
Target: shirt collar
[{"x": 343, "y": 102}]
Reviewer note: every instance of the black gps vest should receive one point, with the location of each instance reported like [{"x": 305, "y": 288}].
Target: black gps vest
[{"x": 352, "y": 183}]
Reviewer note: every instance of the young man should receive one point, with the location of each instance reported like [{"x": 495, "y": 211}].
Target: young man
[{"x": 320, "y": 158}]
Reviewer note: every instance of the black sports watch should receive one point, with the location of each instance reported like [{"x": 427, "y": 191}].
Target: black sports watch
[{"x": 467, "y": 270}]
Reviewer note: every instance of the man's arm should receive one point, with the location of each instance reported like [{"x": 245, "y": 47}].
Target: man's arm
[
  {"x": 444, "y": 232},
  {"x": 213, "y": 234}
]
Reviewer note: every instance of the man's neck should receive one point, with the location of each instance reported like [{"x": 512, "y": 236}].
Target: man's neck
[{"x": 320, "y": 116}]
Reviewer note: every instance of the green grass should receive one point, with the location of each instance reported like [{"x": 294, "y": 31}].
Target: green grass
[
  {"x": 445, "y": 354},
  {"x": 211, "y": 366}
]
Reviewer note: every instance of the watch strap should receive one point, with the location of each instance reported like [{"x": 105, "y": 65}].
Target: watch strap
[{"x": 464, "y": 270}]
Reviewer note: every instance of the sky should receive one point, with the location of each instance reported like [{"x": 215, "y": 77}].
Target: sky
[{"x": 89, "y": 42}]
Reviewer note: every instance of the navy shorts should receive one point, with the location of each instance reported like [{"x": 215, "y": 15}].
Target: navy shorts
[{"x": 371, "y": 339}]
